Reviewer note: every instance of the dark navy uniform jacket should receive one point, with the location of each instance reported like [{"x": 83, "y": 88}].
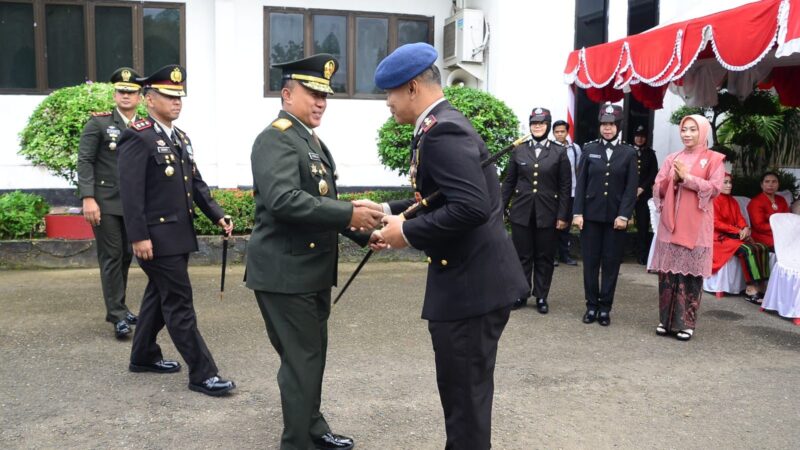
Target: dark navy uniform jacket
[
  {"x": 159, "y": 184},
  {"x": 606, "y": 189},
  {"x": 545, "y": 181},
  {"x": 473, "y": 267},
  {"x": 648, "y": 169}
]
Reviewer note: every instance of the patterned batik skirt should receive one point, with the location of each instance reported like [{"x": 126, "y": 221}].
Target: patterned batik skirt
[{"x": 679, "y": 300}]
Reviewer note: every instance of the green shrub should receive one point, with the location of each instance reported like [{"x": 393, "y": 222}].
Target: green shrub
[
  {"x": 378, "y": 196},
  {"x": 22, "y": 215},
  {"x": 492, "y": 119},
  {"x": 54, "y": 129},
  {"x": 239, "y": 204},
  {"x": 750, "y": 185}
]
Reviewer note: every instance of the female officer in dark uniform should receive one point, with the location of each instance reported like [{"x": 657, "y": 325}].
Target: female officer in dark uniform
[
  {"x": 540, "y": 185},
  {"x": 605, "y": 193}
]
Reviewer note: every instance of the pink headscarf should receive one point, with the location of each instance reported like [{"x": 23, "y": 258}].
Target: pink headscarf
[{"x": 675, "y": 202}]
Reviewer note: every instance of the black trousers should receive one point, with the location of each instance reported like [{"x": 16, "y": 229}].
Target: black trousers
[
  {"x": 536, "y": 248},
  {"x": 297, "y": 326},
  {"x": 643, "y": 235},
  {"x": 466, "y": 352},
  {"x": 564, "y": 235},
  {"x": 168, "y": 301},
  {"x": 601, "y": 249},
  {"x": 114, "y": 257}
]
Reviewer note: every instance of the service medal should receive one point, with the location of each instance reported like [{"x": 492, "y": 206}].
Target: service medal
[
  {"x": 112, "y": 145},
  {"x": 169, "y": 171},
  {"x": 323, "y": 187}
]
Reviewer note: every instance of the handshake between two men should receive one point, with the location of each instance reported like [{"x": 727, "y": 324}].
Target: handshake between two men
[{"x": 368, "y": 215}]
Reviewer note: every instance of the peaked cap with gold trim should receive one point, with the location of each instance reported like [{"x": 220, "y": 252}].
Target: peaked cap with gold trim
[
  {"x": 314, "y": 72},
  {"x": 126, "y": 79},
  {"x": 167, "y": 80}
]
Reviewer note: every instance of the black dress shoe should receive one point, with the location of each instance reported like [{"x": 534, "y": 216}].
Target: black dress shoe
[
  {"x": 163, "y": 366},
  {"x": 604, "y": 318},
  {"x": 642, "y": 261},
  {"x": 214, "y": 386},
  {"x": 330, "y": 441},
  {"x": 131, "y": 318},
  {"x": 121, "y": 329},
  {"x": 519, "y": 303},
  {"x": 541, "y": 305},
  {"x": 590, "y": 316},
  {"x": 569, "y": 261}
]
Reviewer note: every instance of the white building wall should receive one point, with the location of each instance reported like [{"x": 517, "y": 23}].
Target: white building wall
[{"x": 226, "y": 109}]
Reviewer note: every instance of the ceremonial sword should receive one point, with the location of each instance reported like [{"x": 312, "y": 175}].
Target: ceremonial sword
[
  {"x": 225, "y": 238},
  {"x": 414, "y": 209}
]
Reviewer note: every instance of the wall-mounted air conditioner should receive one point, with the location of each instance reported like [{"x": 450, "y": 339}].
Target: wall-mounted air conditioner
[{"x": 464, "y": 38}]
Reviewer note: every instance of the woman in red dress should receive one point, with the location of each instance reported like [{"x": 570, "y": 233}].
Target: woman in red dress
[
  {"x": 762, "y": 206},
  {"x": 732, "y": 238}
]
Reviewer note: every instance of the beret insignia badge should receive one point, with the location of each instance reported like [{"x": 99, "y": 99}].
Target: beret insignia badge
[{"x": 328, "y": 70}]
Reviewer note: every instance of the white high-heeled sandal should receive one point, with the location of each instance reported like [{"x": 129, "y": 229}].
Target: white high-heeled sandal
[{"x": 684, "y": 335}]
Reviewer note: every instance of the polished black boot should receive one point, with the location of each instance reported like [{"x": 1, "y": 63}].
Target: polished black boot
[
  {"x": 214, "y": 386},
  {"x": 590, "y": 316},
  {"x": 604, "y": 318},
  {"x": 333, "y": 441},
  {"x": 163, "y": 366},
  {"x": 541, "y": 305},
  {"x": 519, "y": 303}
]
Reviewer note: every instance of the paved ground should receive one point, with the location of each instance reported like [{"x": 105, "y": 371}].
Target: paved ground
[{"x": 560, "y": 384}]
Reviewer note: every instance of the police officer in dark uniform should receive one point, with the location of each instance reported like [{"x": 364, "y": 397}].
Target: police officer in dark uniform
[
  {"x": 102, "y": 207},
  {"x": 292, "y": 253},
  {"x": 604, "y": 199},
  {"x": 159, "y": 186},
  {"x": 647, "y": 164},
  {"x": 474, "y": 275},
  {"x": 539, "y": 186}
]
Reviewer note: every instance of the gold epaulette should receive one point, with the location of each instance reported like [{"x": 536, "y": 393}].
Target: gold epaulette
[
  {"x": 101, "y": 114},
  {"x": 282, "y": 124}
]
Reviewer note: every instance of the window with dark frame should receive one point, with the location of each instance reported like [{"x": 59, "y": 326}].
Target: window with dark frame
[
  {"x": 48, "y": 44},
  {"x": 359, "y": 40},
  {"x": 642, "y": 15}
]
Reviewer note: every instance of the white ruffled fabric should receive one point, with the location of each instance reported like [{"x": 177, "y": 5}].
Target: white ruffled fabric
[{"x": 783, "y": 290}]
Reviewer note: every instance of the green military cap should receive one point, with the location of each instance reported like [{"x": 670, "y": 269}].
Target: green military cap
[
  {"x": 167, "y": 80},
  {"x": 314, "y": 72},
  {"x": 126, "y": 79}
]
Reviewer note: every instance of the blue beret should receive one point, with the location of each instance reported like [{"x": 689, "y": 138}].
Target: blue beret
[{"x": 403, "y": 64}]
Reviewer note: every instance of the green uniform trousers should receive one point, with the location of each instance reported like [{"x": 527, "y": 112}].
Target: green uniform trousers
[
  {"x": 297, "y": 325},
  {"x": 114, "y": 256}
]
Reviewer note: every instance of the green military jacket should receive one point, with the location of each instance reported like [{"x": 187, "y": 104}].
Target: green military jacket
[
  {"x": 97, "y": 161},
  {"x": 294, "y": 244}
]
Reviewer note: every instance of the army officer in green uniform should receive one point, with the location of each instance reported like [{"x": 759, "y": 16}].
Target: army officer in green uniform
[
  {"x": 98, "y": 186},
  {"x": 292, "y": 254}
]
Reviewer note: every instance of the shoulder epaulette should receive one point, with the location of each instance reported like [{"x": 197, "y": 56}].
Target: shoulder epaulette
[
  {"x": 101, "y": 114},
  {"x": 428, "y": 123},
  {"x": 142, "y": 124},
  {"x": 282, "y": 124}
]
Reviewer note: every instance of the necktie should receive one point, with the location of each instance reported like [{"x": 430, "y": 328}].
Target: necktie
[
  {"x": 538, "y": 151},
  {"x": 609, "y": 152},
  {"x": 574, "y": 160}
]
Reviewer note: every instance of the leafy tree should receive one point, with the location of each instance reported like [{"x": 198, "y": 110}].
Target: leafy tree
[
  {"x": 492, "y": 119},
  {"x": 51, "y": 137}
]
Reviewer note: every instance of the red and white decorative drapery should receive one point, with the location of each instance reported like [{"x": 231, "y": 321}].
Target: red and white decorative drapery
[{"x": 754, "y": 43}]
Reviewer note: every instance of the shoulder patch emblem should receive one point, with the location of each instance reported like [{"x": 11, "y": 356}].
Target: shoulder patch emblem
[
  {"x": 428, "y": 123},
  {"x": 143, "y": 124},
  {"x": 101, "y": 114},
  {"x": 282, "y": 124}
]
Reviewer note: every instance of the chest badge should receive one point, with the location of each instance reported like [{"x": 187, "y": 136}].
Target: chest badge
[
  {"x": 323, "y": 187},
  {"x": 169, "y": 171}
]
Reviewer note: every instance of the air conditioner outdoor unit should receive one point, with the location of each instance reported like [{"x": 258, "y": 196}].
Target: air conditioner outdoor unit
[{"x": 463, "y": 38}]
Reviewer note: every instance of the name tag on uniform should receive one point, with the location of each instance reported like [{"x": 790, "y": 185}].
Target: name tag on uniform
[
  {"x": 163, "y": 149},
  {"x": 523, "y": 163},
  {"x": 595, "y": 156},
  {"x": 313, "y": 156}
]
